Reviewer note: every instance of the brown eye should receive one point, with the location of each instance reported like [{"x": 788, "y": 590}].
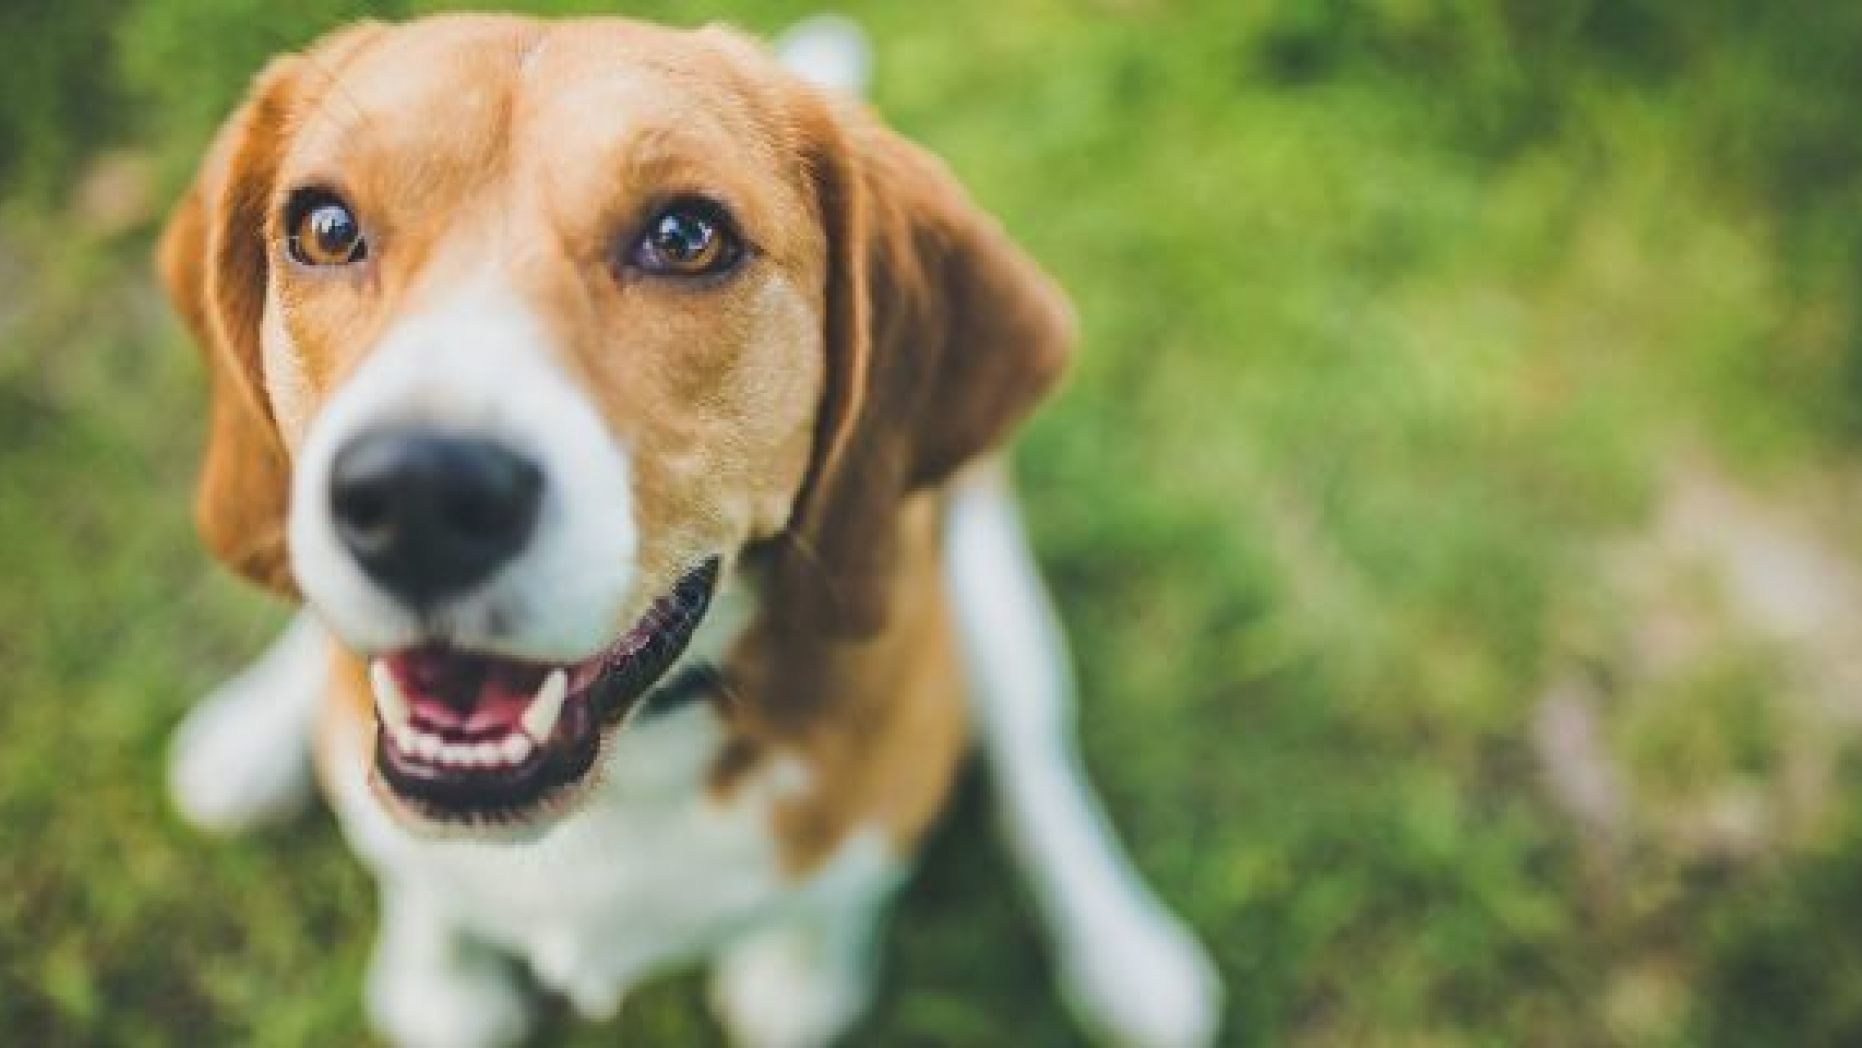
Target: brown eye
[
  {"x": 687, "y": 239},
  {"x": 323, "y": 231}
]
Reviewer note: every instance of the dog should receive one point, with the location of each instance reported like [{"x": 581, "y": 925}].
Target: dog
[{"x": 624, "y": 407}]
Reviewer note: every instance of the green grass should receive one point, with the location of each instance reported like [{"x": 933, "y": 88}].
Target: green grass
[{"x": 1396, "y": 314}]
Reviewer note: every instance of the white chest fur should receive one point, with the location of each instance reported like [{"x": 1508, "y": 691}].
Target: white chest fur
[{"x": 653, "y": 870}]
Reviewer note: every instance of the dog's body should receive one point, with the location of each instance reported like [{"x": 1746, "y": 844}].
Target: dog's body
[{"x": 795, "y": 511}]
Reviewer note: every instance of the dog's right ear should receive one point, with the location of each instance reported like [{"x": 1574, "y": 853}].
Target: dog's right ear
[
  {"x": 214, "y": 259},
  {"x": 940, "y": 335}
]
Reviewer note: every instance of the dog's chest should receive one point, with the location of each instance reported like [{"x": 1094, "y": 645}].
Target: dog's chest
[{"x": 654, "y": 869}]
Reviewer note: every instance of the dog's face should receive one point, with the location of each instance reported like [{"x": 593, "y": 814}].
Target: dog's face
[{"x": 525, "y": 334}]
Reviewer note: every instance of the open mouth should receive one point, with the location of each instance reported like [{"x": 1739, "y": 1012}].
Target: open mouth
[{"x": 470, "y": 737}]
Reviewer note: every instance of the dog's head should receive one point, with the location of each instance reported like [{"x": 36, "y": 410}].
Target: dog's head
[{"x": 522, "y": 334}]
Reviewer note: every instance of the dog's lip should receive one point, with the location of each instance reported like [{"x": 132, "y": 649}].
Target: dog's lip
[{"x": 471, "y": 736}]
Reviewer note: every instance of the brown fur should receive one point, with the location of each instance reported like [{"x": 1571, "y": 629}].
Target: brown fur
[
  {"x": 806, "y": 409},
  {"x": 878, "y": 722}
]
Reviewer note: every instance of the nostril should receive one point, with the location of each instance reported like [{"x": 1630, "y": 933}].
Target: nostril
[
  {"x": 362, "y": 507},
  {"x": 365, "y": 493}
]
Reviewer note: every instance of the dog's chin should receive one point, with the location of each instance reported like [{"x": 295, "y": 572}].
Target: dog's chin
[{"x": 472, "y": 743}]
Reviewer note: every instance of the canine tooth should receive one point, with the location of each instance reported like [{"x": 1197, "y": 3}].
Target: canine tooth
[
  {"x": 540, "y": 719},
  {"x": 390, "y": 701},
  {"x": 515, "y": 748},
  {"x": 430, "y": 747},
  {"x": 405, "y": 739}
]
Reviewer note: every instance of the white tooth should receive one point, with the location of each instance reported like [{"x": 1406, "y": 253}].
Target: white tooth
[
  {"x": 453, "y": 753},
  {"x": 487, "y": 755},
  {"x": 540, "y": 718},
  {"x": 390, "y": 701},
  {"x": 516, "y": 748},
  {"x": 405, "y": 740},
  {"x": 430, "y": 746}
]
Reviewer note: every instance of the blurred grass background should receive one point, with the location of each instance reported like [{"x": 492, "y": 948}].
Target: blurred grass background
[{"x": 1452, "y": 512}]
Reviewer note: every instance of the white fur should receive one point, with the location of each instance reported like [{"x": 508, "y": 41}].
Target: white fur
[
  {"x": 802, "y": 979},
  {"x": 1128, "y": 967},
  {"x": 651, "y": 871},
  {"x": 828, "y": 51},
  {"x": 479, "y": 364},
  {"x": 241, "y": 759}
]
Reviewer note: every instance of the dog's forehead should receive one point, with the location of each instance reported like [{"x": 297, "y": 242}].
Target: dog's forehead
[{"x": 466, "y": 96}]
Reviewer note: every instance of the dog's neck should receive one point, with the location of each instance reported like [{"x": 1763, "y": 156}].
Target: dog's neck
[{"x": 878, "y": 721}]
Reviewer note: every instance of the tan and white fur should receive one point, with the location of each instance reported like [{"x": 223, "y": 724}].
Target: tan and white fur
[{"x": 706, "y": 834}]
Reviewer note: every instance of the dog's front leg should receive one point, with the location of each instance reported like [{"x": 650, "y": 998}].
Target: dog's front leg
[
  {"x": 1129, "y": 968},
  {"x": 431, "y": 986},
  {"x": 242, "y": 757},
  {"x": 805, "y": 978}
]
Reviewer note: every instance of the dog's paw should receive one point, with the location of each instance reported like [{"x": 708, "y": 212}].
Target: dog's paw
[
  {"x": 563, "y": 965},
  {"x": 241, "y": 759},
  {"x": 781, "y": 990},
  {"x": 472, "y": 1002},
  {"x": 234, "y": 765},
  {"x": 1141, "y": 981}
]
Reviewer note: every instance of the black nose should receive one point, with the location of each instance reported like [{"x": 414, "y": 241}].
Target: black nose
[{"x": 429, "y": 515}]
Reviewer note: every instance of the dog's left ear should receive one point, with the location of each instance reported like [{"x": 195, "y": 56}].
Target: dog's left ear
[{"x": 941, "y": 336}]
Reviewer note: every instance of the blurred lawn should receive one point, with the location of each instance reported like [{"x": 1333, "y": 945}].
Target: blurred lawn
[{"x": 1434, "y": 349}]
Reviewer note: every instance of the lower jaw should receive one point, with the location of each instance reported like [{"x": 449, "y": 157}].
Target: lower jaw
[
  {"x": 504, "y": 797},
  {"x": 563, "y": 767}
]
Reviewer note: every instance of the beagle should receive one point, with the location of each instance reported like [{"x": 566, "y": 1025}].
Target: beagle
[{"x": 621, "y": 406}]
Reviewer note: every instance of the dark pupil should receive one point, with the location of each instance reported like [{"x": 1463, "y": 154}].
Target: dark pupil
[
  {"x": 682, "y": 237},
  {"x": 334, "y": 229}
]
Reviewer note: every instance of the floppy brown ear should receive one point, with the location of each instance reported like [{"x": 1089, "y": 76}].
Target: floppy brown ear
[
  {"x": 213, "y": 260},
  {"x": 941, "y": 337}
]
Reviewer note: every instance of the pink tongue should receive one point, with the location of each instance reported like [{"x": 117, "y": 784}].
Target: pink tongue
[{"x": 465, "y": 694}]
